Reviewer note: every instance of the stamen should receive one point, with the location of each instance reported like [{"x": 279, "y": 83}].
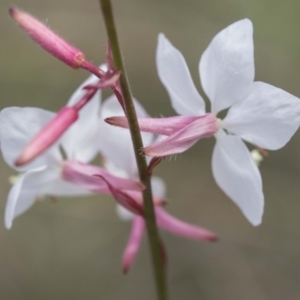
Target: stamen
[
  {"x": 219, "y": 123},
  {"x": 257, "y": 157}
]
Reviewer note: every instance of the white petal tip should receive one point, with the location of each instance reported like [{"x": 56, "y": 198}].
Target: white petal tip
[
  {"x": 8, "y": 224},
  {"x": 244, "y": 22},
  {"x": 247, "y": 21},
  {"x": 255, "y": 219},
  {"x": 163, "y": 43},
  {"x": 8, "y": 218},
  {"x": 161, "y": 36},
  {"x": 256, "y": 222}
]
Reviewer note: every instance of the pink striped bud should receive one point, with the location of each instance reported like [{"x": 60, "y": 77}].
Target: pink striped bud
[
  {"x": 48, "y": 135},
  {"x": 47, "y": 39}
]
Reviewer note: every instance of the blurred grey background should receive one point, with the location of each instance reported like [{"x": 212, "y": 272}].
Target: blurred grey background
[{"x": 72, "y": 249}]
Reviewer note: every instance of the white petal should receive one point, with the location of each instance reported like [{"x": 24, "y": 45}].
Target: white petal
[
  {"x": 80, "y": 141},
  {"x": 123, "y": 213},
  {"x": 39, "y": 182},
  {"x": 175, "y": 76},
  {"x": 158, "y": 187},
  {"x": 115, "y": 143},
  {"x": 79, "y": 92},
  {"x": 227, "y": 65},
  {"x": 268, "y": 118},
  {"x": 238, "y": 176},
  {"x": 17, "y": 127},
  {"x": 22, "y": 195},
  {"x": 113, "y": 169},
  {"x": 56, "y": 186}
]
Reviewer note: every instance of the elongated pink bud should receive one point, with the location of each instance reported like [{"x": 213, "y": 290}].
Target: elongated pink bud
[
  {"x": 47, "y": 39},
  {"x": 48, "y": 135},
  {"x": 178, "y": 227},
  {"x": 134, "y": 242}
]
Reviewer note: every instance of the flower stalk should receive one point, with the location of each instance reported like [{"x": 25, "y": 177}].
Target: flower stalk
[{"x": 144, "y": 177}]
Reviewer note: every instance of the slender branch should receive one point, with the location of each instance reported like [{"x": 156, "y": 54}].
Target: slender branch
[{"x": 138, "y": 145}]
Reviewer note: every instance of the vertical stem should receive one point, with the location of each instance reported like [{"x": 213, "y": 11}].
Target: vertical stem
[{"x": 138, "y": 145}]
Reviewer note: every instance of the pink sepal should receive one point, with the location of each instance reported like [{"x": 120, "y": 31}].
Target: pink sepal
[
  {"x": 154, "y": 162},
  {"x": 48, "y": 135},
  {"x": 84, "y": 175},
  {"x": 183, "y": 139},
  {"x": 47, "y": 39},
  {"x": 164, "y": 126},
  {"x": 134, "y": 242},
  {"x": 123, "y": 198},
  {"x": 178, "y": 227},
  {"x": 108, "y": 80}
]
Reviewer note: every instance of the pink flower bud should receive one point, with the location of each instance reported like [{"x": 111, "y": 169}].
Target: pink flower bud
[
  {"x": 134, "y": 242},
  {"x": 48, "y": 135},
  {"x": 47, "y": 39},
  {"x": 178, "y": 227}
]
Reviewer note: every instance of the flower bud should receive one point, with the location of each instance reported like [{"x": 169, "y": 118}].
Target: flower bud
[
  {"x": 47, "y": 39},
  {"x": 48, "y": 135}
]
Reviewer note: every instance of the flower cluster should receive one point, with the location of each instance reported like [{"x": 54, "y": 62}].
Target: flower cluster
[{"x": 53, "y": 152}]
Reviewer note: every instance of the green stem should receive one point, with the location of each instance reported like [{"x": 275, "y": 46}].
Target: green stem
[{"x": 138, "y": 146}]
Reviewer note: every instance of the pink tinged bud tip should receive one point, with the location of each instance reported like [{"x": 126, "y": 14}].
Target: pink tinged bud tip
[
  {"x": 134, "y": 242},
  {"x": 47, "y": 39},
  {"x": 48, "y": 135}
]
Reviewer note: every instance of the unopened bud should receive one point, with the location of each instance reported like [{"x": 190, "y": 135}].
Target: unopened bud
[
  {"x": 48, "y": 135},
  {"x": 47, "y": 39}
]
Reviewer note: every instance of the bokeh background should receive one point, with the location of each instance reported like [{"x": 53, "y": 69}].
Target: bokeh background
[{"x": 71, "y": 249}]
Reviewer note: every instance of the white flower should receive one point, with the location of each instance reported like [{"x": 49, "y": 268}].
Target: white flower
[
  {"x": 43, "y": 176},
  {"x": 258, "y": 113}
]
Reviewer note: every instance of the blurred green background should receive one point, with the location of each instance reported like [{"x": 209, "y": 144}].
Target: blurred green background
[{"x": 72, "y": 249}]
